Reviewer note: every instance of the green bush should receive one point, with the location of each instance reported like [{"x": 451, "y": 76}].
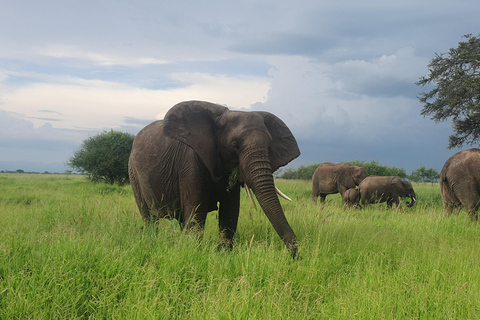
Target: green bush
[
  {"x": 104, "y": 157},
  {"x": 374, "y": 168},
  {"x": 302, "y": 172}
]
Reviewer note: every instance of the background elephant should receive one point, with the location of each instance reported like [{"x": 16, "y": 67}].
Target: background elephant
[
  {"x": 460, "y": 182},
  {"x": 200, "y": 155},
  {"x": 331, "y": 178},
  {"x": 375, "y": 189},
  {"x": 351, "y": 198}
]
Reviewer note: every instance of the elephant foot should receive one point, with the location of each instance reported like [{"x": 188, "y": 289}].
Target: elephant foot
[
  {"x": 225, "y": 246},
  {"x": 474, "y": 216}
]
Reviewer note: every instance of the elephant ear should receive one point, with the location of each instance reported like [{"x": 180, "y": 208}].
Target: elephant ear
[
  {"x": 192, "y": 122},
  {"x": 344, "y": 176},
  {"x": 283, "y": 147}
]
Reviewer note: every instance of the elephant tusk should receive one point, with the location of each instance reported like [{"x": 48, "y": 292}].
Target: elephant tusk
[
  {"x": 283, "y": 195},
  {"x": 250, "y": 196}
]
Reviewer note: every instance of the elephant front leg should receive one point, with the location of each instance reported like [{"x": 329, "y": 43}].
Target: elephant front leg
[
  {"x": 228, "y": 217},
  {"x": 322, "y": 197},
  {"x": 195, "y": 221}
]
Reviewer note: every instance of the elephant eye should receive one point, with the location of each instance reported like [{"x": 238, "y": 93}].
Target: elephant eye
[{"x": 235, "y": 144}]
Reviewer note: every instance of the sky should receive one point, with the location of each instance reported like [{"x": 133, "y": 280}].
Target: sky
[{"x": 340, "y": 74}]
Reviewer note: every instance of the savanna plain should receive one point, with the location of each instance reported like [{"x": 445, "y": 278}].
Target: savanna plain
[{"x": 70, "y": 249}]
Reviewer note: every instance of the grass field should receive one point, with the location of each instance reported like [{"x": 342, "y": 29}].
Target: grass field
[{"x": 70, "y": 249}]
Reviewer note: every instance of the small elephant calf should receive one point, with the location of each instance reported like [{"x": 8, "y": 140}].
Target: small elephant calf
[{"x": 351, "y": 198}]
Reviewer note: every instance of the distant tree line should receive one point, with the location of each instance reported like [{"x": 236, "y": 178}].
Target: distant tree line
[
  {"x": 373, "y": 168},
  {"x": 67, "y": 172},
  {"x": 104, "y": 157}
]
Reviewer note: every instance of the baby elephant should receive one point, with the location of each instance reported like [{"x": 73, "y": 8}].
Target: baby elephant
[
  {"x": 375, "y": 189},
  {"x": 351, "y": 198}
]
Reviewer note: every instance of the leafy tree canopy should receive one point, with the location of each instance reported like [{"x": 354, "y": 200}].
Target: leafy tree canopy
[
  {"x": 423, "y": 174},
  {"x": 374, "y": 168},
  {"x": 455, "y": 77},
  {"x": 104, "y": 157}
]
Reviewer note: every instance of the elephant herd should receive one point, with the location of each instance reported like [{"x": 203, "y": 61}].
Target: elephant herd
[
  {"x": 459, "y": 184},
  {"x": 344, "y": 178},
  {"x": 198, "y": 157}
]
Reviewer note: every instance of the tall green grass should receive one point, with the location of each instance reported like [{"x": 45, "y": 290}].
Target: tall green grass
[{"x": 70, "y": 249}]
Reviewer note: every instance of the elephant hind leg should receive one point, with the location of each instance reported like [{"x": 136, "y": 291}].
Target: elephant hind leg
[
  {"x": 473, "y": 213},
  {"x": 469, "y": 198},
  {"x": 142, "y": 205}
]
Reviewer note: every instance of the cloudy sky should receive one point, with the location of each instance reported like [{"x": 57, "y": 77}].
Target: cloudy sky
[{"x": 341, "y": 74}]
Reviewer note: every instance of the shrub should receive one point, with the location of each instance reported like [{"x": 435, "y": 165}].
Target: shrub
[{"x": 104, "y": 157}]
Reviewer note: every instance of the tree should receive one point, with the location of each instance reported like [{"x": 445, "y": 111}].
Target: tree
[
  {"x": 374, "y": 168},
  {"x": 457, "y": 91},
  {"x": 68, "y": 172},
  {"x": 423, "y": 174},
  {"x": 104, "y": 157}
]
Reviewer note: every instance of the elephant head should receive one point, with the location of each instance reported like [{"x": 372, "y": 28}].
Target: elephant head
[
  {"x": 404, "y": 189},
  {"x": 255, "y": 143},
  {"x": 349, "y": 176},
  {"x": 359, "y": 174},
  {"x": 410, "y": 193}
]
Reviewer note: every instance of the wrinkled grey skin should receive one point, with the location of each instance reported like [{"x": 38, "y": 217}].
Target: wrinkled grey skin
[
  {"x": 180, "y": 167},
  {"x": 375, "y": 189},
  {"x": 330, "y": 178},
  {"x": 460, "y": 182},
  {"x": 351, "y": 198}
]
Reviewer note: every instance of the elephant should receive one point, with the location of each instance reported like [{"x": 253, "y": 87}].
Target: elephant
[
  {"x": 330, "y": 178},
  {"x": 351, "y": 198},
  {"x": 460, "y": 182},
  {"x": 375, "y": 189},
  {"x": 200, "y": 155}
]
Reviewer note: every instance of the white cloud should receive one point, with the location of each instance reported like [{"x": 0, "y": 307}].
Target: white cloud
[
  {"x": 102, "y": 59},
  {"x": 96, "y": 104}
]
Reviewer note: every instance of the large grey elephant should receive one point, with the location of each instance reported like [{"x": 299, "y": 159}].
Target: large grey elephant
[
  {"x": 200, "y": 155},
  {"x": 330, "y": 178},
  {"x": 375, "y": 189},
  {"x": 460, "y": 182}
]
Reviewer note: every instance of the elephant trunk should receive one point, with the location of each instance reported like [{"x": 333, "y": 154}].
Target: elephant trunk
[
  {"x": 414, "y": 199},
  {"x": 258, "y": 175}
]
